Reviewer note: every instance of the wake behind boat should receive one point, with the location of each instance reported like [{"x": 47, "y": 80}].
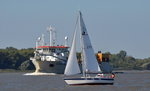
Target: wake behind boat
[{"x": 89, "y": 61}]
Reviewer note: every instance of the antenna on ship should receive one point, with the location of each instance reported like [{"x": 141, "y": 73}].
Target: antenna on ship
[
  {"x": 50, "y": 30},
  {"x": 66, "y": 41},
  {"x": 54, "y": 37},
  {"x": 38, "y": 42}
]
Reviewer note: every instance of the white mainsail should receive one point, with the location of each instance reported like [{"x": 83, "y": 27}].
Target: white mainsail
[
  {"x": 72, "y": 66},
  {"x": 90, "y": 62}
]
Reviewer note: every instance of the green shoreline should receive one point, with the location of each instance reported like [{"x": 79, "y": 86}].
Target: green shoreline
[{"x": 12, "y": 59}]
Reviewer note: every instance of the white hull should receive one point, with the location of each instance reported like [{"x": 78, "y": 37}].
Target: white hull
[
  {"x": 49, "y": 66},
  {"x": 89, "y": 81}
]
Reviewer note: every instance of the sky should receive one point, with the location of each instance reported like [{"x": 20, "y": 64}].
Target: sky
[{"x": 113, "y": 25}]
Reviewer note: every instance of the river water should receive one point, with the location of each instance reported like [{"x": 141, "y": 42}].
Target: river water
[{"x": 128, "y": 81}]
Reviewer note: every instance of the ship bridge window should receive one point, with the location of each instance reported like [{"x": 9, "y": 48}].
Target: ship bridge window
[
  {"x": 53, "y": 50},
  {"x": 58, "y": 49},
  {"x": 38, "y": 49},
  {"x": 62, "y": 49}
]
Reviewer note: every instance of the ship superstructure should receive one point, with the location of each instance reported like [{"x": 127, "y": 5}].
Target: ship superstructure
[{"x": 50, "y": 58}]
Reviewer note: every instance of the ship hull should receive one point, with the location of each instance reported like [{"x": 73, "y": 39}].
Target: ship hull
[{"x": 49, "y": 66}]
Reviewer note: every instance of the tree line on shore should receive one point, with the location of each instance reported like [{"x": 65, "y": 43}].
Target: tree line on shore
[{"x": 19, "y": 59}]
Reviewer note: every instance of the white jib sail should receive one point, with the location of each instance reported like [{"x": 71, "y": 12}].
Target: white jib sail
[
  {"x": 72, "y": 66},
  {"x": 90, "y": 62}
]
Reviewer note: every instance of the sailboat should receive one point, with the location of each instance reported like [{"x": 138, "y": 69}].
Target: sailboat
[{"x": 90, "y": 65}]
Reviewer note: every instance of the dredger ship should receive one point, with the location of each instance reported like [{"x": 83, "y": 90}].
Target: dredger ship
[{"x": 50, "y": 58}]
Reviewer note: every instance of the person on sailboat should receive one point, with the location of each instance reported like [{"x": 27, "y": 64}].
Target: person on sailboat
[{"x": 113, "y": 75}]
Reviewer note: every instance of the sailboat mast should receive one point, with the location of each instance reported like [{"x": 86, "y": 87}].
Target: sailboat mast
[{"x": 81, "y": 42}]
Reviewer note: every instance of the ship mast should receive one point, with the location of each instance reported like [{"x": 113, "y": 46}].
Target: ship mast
[
  {"x": 51, "y": 30},
  {"x": 43, "y": 42}
]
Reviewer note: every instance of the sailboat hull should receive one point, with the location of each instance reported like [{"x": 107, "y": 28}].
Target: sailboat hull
[{"x": 89, "y": 81}]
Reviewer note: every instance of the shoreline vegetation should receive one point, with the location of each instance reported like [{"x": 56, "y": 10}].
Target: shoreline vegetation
[
  {"x": 116, "y": 71},
  {"x": 17, "y": 60}
]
